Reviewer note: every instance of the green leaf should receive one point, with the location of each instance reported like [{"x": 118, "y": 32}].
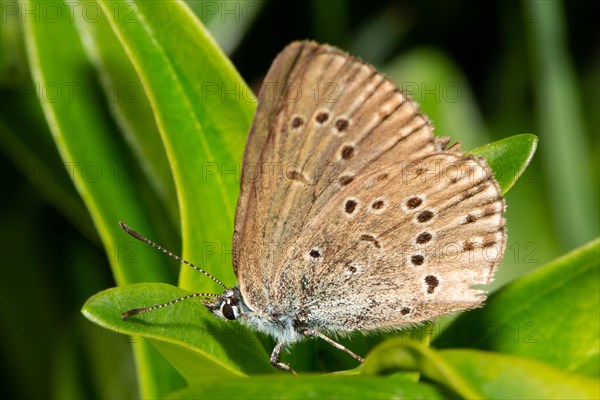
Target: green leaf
[
  {"x": 305, "y": 387},
  {"x": 508, "y": 158},
  {"x": 197, "y": 344},
  {"x": 128, "y": 104},
  {"x": 86, "y": 141},
  {"x": 477, "y": 374},
  {"x": 203, "y": 110},
  {"x": 550, "y": 315},
  {"x": 92, "y": 151}
]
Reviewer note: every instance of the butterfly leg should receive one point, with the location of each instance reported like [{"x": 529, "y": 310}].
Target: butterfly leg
[
  {"x": 332, "y": 342},
  {"x": 275, "y": 358}
]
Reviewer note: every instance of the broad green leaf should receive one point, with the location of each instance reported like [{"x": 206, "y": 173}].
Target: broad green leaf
[
  {"x": 477, "y": 374},
  {"x": 128, "y": 104},
  {"x": 203, "y": 109},
  {"x": 87, "y": 142},
  {"x": 550, "y": 315},
  {"x": 313, "y": 387},
  {"x": 508, "y": 158},
  {"x": 198, "y": 344},
  {"x": 92, "y": 151}
]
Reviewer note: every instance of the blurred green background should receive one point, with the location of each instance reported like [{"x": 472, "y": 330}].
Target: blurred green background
[{"x": 482, "y": 71}]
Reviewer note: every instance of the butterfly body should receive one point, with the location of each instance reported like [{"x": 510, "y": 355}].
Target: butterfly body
[{"x": 282, "y": 325}]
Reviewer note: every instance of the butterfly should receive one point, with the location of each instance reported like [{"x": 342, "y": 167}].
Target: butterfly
[{"x": 352, "y": 215}]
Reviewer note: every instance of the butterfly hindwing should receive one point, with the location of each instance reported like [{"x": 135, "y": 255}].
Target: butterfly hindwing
[{"x": 398, "y": 246}]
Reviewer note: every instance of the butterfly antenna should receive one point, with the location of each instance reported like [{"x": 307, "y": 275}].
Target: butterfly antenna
[
  {"x": 139, "y": 237},
  {"x": 136, "y": 311}
]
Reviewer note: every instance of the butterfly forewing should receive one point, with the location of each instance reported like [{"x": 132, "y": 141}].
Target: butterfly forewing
[{"x": 332, "y": 135}]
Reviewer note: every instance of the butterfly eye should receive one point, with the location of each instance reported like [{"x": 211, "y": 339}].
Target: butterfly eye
[{"x": 227, "y": 311}]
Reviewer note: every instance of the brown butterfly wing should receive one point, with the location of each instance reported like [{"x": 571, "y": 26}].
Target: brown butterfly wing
[
  {"x": 399, "y": 246},
  {"x": 324, "y": 120},
  {"x": 269, "y": 101}
]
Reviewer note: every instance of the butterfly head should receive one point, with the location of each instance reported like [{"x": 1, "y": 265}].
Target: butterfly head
[{"x": 230, "y": 305}]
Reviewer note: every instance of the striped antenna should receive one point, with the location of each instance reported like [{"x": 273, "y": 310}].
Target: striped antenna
[
  {"x": 136, "y": 311},
  {"x": 175, "y": 256}
]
